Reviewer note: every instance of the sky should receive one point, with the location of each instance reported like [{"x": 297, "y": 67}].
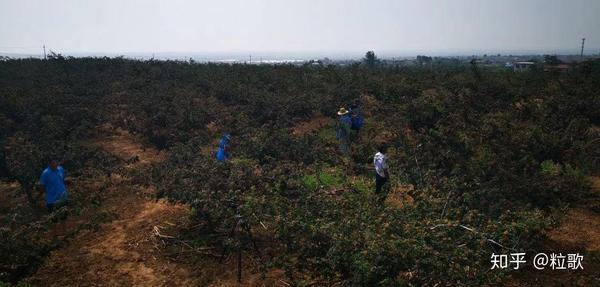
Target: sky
[{"x": 327, "y": 27}]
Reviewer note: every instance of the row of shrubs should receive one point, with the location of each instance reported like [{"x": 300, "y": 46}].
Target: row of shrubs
[{"x": 493, "y": 151}]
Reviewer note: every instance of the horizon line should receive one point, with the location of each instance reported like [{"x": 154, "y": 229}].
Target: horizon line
[{"x": 319, "y": 54}]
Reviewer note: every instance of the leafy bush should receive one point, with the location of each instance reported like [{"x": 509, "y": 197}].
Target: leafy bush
[{"x": 490, "y": 154}]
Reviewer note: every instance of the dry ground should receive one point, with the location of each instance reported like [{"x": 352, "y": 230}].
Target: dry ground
[
  {"x": 127, "y": 251},
  {"x": 123, "y": 252},
  {"x": 578, "y": 232}
]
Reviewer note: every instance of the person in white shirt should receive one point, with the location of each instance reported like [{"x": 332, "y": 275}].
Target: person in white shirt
[{"x": 382, "y": 174}]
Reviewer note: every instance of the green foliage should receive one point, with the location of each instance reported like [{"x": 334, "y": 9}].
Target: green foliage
[
  {"x": 324, "y": 179},
  {"x": 21, "y": 252},
  {"x": 371, "y": 59},
  {"x": 24, "y": 162},
  {"x": 490, "y": 154}
]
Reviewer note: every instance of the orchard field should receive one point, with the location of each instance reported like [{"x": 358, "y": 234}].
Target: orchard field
[{"x": 482, "y": 161}]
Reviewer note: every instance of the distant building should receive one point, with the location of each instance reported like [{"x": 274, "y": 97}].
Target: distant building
[
  {"x": 523, "y": 66},
  {"x": 559, "y": 67},
  {"x": 315, "y": 62}
]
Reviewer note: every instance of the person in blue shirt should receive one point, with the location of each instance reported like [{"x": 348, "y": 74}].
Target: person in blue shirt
[
  {"x": 357, "y": 119},
  {"x": 52, "y": 183},
  {"x": 223, "y": 151},
  {"x": 343, "y": 130}
]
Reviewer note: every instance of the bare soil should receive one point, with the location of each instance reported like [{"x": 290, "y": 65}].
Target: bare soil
[
  {"x": 127, "y": 251},
  {"x": 578, "y": 232},
  {"x": 399, "y": 197},
  {"x": 124, "y": 251},
  {"x": 315, "y": 123},
  {"x": 120, "y": 252}
]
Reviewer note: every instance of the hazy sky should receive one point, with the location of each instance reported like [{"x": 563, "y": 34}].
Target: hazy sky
[{"x": 334, "y": 26}]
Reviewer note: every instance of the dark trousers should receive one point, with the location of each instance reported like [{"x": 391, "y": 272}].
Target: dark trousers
[
  {"x": 50, "y": 207},
  {"x": 379, "y": 182},
  {"x": 58, "y": 207}
]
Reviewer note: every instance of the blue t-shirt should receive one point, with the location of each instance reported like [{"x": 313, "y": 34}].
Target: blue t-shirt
[
  {"x": 346, "y": 120},
  {"x": 54, "y": 183},
  {"x": 344, "y": 124},
  {"x": 222, "y": 153}
]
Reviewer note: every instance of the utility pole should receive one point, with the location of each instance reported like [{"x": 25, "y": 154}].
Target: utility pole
[
  {"x": 250, "y": 59},
  {"x": 582, "y": 44},
  {"x": 44, "y": 52}
]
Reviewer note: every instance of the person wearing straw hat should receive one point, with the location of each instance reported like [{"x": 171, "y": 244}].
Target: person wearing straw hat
[{"x": 343, "y": 129}]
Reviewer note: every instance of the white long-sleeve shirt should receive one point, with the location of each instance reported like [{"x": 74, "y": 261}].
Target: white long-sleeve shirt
[{"x": 380, "y": 163}]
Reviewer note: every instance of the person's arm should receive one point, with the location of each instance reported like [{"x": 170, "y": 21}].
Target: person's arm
[
  {"x": 66, "y": 180},
  {"x": 385, "y": 168},
  {"x": 42, "y": 189},
  {"x": 42, "y": 185}
]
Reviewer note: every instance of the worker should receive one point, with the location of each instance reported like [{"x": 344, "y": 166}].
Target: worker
[
  {"x": 52, "y": 182},
  {"x": 382, "y": 174},
  {"x": 343, "y": 130},
  {"x": 357, "y": 119},
  {"x": 223, "y": 151}
]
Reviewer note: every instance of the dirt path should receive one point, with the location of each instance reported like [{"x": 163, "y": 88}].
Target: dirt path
[
  {"x": 580, "y": 228},
  {"x": 578, "y": 232},
  {"x": 121, "y": 252},
  {"x": 315, "y": 123}
]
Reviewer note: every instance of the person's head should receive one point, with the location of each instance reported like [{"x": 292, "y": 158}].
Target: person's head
[
  {"x": 382, "y": 148},
  {"x": 53, "y": 163},
  {"x": 227, "y": 138}
]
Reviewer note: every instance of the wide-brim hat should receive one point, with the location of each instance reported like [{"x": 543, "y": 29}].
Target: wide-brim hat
[{"x": 342, "y": 112}]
